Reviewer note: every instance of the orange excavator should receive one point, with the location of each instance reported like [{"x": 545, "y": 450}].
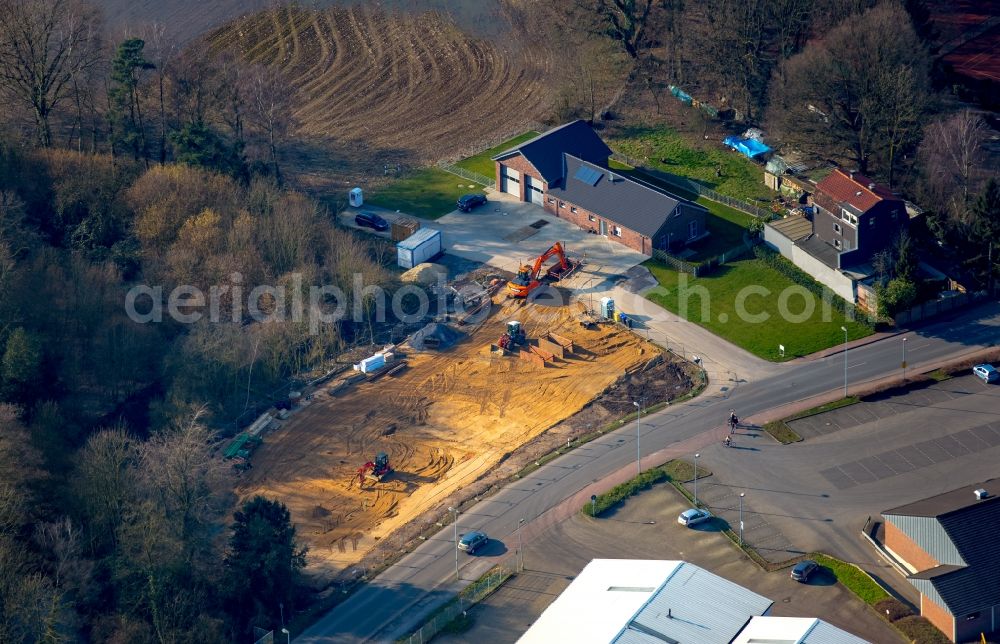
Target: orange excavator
[{"x": 529, "y": 276}]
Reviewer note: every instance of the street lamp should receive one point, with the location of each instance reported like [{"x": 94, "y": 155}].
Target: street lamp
[
  {"x": 638, "y": 457},
  {"x": 520, "y": 549},
  {"x": 288, "y": 636},
  {"x": 904, "y": 359},
  {"x": 455, "y": 524},
  {"x": 696, "y": 456},
  {"x": 844, "y": 329},
  {"x": 742, "y": 494}
]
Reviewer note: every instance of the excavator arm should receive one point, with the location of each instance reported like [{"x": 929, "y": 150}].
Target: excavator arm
[{"x": 528, "y": 277}]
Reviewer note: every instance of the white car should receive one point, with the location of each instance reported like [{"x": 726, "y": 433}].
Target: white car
[
  {"x": 693, "y": 517},
  {"x": 987, "y": 372}
]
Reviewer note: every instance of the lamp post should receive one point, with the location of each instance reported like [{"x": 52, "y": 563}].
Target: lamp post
[
  {"x": 520, "y": 549},
  {"x": 696, "y": 456},
  {"x": 455, "y": 524},
  {"x": 844, "y": 329},
  {"x": 638, "y": 457},
  {"x": 904, "y": 359},
  {"x": 742, "y": 494},
  {"x": 288, "y": 635}
]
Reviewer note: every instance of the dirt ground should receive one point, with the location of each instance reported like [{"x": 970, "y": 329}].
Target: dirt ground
[{"x": 446, "y": 420}]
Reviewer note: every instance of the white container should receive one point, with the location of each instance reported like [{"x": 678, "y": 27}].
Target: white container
[
  {"x": 607, "y": 308},
  {"x": 373, "y": 363},
  {"x": 356, "y": 197},
  {"x": 418, "y": 247}
]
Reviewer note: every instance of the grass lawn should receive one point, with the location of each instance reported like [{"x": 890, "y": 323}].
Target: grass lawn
[
  {"x": 854, "y": 579},
  {"x": 483, "y": 162},
  {"x": 801, "y": 335},
  {"x": 664, "y": 149},
  {"x": 429, "y": 193}
]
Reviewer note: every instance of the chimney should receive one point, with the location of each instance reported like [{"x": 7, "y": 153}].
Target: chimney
[
  {"x": 850, "y": 173},
  {"x": 981, "y": 494},
  {"x": 669, "y": 615},
  {"x": 871, "y": 186}
]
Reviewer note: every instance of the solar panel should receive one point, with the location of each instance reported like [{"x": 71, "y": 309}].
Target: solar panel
[{"x": 587, "y": 175}]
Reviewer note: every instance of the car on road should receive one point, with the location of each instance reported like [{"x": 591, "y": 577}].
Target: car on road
[
  {"x": 803, "y": 570},
  {"x": 371, "y": 220},
  {"x": 987, "y": 372},
  {"x": 473, "y": 541},
  {"x": 467, "y": 202},
  {"x": 693, "y": 517}
]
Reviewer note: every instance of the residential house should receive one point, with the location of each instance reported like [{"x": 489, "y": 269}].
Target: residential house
[
  {"x": 566, "y": 171},
  {"x": 949, "y": 544},
  {"x": 631, "y": 601}
]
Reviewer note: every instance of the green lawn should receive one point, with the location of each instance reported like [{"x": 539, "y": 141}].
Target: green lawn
[
  {"x": 801, "y": 335},
  {"x": 483, "y": 162},
  {"x": 663, "y": 149},
  {"x": 854, "y": 579},
  {"x": 429, "y": 193}
]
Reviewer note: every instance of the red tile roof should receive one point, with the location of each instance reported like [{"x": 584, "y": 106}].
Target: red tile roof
[{"x": 855, "y": 189}]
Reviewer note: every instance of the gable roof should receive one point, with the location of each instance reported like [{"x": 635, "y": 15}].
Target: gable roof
[
  {"x": 971, "y": 525},
  {"x": 627, "y": 202},
  {"x": 545, "y": 150},
  {"x": 854, "y": 189}
]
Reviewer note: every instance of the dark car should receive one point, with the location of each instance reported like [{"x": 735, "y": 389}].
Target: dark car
[
  {"x": 804, "y": 569},
  {"x": 470, "y": 201},
  {"x": 371, "y": 220},
  {"x": 472, "y": 542}
]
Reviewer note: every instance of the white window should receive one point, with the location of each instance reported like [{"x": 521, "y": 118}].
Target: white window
[
  {"x": 616, "y": 231},
  {"x": 572, "y": 209},
  {"x": 837, "y": 229},
  {"x": 871, "y": 221},
  {"x": 562, "y": 204},
  {"x": 836, "y": 243},
  {"x": 693, "y": 229},
  {"x": 551, "y": 200},
  {"x": 849, "y": 217},
  {"x": 591, "y": 218}
]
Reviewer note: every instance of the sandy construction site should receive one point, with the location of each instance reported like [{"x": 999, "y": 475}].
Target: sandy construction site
[{"x": 445, "y": 420}]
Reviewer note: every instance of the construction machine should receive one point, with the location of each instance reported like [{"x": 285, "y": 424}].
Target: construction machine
[
  {"x": 374, "y": 470},
  {"x": 514, "y": 336},
  {"x": 529, "y": 276}
]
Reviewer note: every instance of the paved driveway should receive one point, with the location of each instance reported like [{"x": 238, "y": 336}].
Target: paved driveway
[
  {"x": 855, "y": 462},
  {"x": 646, "y": 528}
]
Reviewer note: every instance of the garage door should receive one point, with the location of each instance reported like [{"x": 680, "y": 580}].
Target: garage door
[
  {"x": 510, "y": 181},
  {"x": 534, "y": 193}
]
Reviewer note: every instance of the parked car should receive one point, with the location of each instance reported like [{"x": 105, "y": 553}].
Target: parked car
[
  {"x": 470, "y": 201},
  {"x": 473, "y": 541},
  {"x": 371, "y": 220},
  {"x": 987, "y": 372},
  {"x": 804, "y": 569},
  {"x": 693, "y": 517}
]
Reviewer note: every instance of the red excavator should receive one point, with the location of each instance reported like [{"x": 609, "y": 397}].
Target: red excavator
[
  {"x": 374, "y": 471},
  {"x": 529, "y": 276}
]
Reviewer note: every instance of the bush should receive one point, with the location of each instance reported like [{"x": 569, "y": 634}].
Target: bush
[
  {"x": 892, "y": 609},
  {"x": 619, "y": 493},
  {"x": 918, "y": 629}
]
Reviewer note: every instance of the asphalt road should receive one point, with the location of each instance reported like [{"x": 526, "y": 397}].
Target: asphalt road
[{"x": 399, "y": 598}]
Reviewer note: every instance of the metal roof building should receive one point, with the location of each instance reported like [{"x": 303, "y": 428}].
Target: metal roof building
[{"x": 630, "y": 601}]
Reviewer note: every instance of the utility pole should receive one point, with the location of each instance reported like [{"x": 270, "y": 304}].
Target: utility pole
[
  {"x": 904, "y": 359},
  {"x": 520, "y": 549},
  {"x": 696, "y": 456},
  {"x": 456, "y": 539},
  {"x": 742, "y": 494},
  {"x": 638, "y": 453}
]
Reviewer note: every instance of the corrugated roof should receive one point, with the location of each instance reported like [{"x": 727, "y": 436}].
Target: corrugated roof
[
  {"x": 972, "y": 526},
  {"x": 794, "y": 227},
  {"x": 545, "y": 150},
  {"x": 853, "y": 189},
  {"x": 629, "y": 203},
  {"x": 417, "y": 238},
  {"x": 694, "y": 605},
  {"x": 794, "y": 630}
]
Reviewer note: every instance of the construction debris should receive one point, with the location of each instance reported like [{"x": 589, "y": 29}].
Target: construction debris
[{"x": 434, "y": 337}]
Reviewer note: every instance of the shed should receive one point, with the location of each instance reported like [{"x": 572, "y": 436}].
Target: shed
[{"x": 418, "y": 247}]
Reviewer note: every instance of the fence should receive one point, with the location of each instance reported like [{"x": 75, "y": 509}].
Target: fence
[
  {"x": 937, "y": 307},
  {"x": 465, "y": 174},
  {"x": 688, "y": 185},
  {"x": 476, "y": 592},
  {"x": 709, "y": 265}
]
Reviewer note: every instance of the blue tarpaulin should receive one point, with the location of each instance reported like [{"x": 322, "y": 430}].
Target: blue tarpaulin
[{"x": 747, "y": 147}]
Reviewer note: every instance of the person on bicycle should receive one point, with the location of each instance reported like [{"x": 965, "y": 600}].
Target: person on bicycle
[{"x": 728, "y": 441}]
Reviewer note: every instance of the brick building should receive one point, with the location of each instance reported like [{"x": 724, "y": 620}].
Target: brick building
[
  {"x": 949, "y": 544},
  {"x": 855, "y": 216},
  {"x": 565, "y": 170}
]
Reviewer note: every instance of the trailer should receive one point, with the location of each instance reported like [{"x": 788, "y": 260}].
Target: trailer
[{"x": 419, "y": 247}]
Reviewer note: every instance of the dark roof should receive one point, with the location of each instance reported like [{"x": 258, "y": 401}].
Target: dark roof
[
  {"x": 972, "y": 526},
  {"x": 545, "y": 150},
  {"x": 629, "y": 203},
  {"x": 953, "y": 501},
  {"x": 821, "y": 250}
]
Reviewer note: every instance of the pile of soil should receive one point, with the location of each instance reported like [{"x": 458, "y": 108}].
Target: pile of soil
[
  {"x": 442, "y": 336},
  {"x": 427, "y": 274}
]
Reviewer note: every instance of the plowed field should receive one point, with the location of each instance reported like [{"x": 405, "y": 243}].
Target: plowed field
[
  {"x": 445, "y": 421},
  {"x": 391, "y": 87}
]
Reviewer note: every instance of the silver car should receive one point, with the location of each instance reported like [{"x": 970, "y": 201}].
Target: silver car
[{"x": 693, "y": 517}]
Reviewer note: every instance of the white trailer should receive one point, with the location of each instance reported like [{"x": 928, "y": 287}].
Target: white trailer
[{"x": 418, "y": 247}]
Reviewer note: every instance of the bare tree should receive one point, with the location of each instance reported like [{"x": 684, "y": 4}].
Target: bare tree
[
  {"x": 162, "y": 51},
  {"x": 271, "y": 101},
  {"x": 44, "y": 46},
  {"x": 950, "y": 154},
  {"x": 624, "y": 21}
]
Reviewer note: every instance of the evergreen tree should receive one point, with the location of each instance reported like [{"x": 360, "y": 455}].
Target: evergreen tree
[{"x": 125, "y": 111}]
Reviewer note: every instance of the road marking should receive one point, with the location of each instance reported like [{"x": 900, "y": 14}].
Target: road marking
[{"x": 857, "y": 365}]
